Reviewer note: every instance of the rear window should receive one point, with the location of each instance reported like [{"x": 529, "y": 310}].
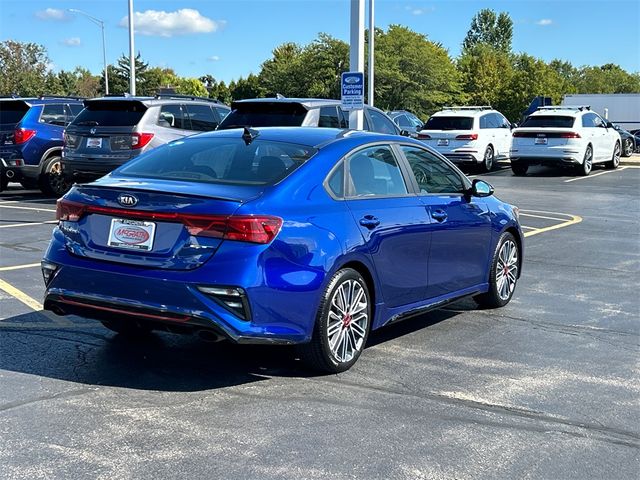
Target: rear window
[
  {"x": 109, "y": 113},
  {"x": 449, "y": 123},
  {"x": 554, "y": 121},
  {"x": 265, "y": 114},
  {"x": 226, "y": 161},
  {"x": 12, "y": 111}
]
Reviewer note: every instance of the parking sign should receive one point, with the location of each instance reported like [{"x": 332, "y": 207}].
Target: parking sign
[{"x": 352, "y": 91}]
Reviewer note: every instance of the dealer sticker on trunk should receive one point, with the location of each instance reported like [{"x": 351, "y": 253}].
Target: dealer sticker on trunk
[{"x": 131, "y": 234}]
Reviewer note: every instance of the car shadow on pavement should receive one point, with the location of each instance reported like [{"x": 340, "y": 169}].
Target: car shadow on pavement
[{"x": 84, "y": 352}]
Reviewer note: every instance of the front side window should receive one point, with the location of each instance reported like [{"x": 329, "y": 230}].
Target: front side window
[
  {"x": 225, "y": 160},
  {"x": 403, "y": 121},
  {"x": 380, "y": 123},
  {"x": 374, "y": 171},
  {"x": 432, "y": 174}
]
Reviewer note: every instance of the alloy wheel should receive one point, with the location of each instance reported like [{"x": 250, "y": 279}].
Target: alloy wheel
[
  {"x": 628, "y": 147},
  {"x": 507, "y": 269},
  {"x": 615, "y": 161},
  {"x": 348, "y": 320}
]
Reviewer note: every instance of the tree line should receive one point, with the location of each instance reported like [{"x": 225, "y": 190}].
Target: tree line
[{"x": 411, "y": 72}]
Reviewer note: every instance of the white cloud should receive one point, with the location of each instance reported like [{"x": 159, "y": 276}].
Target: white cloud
[
  {"x": 52, "y": 14},
  {"x": 213, "y": 58},
  {"x": 71, "y": 42},
  {"x": 545, "y": 22},
  {"x": 419, "y": 11},
  {"x": 167, "y": 24}
]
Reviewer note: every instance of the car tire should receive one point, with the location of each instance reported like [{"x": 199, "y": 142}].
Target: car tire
[
  {"x": 342, "y": 324},
  {"x": 129, "y": 328},
  {"x": 487, "y": 160},
  {"x": 585, "y": 167},
  {"x": 503, "y": 277},
  {"x": 52, "y": 181},
  {"x": 615, "y": 158},
  {"x": 627, "y": 147},
  {"x": 519, "y": 169}
]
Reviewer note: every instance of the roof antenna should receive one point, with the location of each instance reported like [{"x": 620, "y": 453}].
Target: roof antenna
[
  {"x": 279, "y": 96},
  {"x": 249, "y": 135}
]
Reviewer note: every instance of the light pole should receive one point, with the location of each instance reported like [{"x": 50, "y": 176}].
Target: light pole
[
  {"x": 100, "y": 23},
  {"x": 132, "y": 58}
]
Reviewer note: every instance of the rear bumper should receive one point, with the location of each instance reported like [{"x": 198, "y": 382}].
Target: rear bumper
[
  {"x": 88, "y": 170},
  {"x": 562, "y": 155},
  {"x": 462, "y": 158}
]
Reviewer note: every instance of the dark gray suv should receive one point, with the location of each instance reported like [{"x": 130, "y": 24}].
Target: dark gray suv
[
  {"x": 110, "y": 131},
  {"x": 302, "y": 112}
]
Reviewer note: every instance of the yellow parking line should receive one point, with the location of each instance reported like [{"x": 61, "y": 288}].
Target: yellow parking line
[
  {"x": 528, "y": 228},
  {"x": 28, "y": 208},
  {"x": 28, "y": 224},
  {"x": 574, "y": 219},
  {"x": 594, "y": 175},
  {"x": 542, "y": 216},
  {"x": 18, "y": 267},
  {"x": 20, "y": 295}
]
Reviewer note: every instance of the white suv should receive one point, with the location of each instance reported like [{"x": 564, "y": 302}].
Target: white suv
[
  {"x": 469, "y": 135},
  {"x": 564, "y": 136}
]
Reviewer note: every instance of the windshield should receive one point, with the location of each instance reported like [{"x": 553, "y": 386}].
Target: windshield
[
  {"x": 110, "y": 113},
  {"x": 264, "y": 114},
  {"x": 449, "y": 123},
  {"x": 554, "y": 121},
  {"x": 228, "y": 161}
]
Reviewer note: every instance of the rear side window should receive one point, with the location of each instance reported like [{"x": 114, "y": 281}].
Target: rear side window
[
  {"x": 75, "y": 108},
  {"x": 171, "y": 116},
  {"x": 54, "y": 114},
  {"x": 111, "y": 113},
  {"x": 12, "y": 111},
  {"x": 265, "y": 114},
  {"x": 375, "y": 171},
  {"x": 329, "y": 117},
  {"x": 222, "y": 112},
  {"x": 202, "y": 118},
  {"x": 449, "y": 123},
  {"x": 553, "y": 121},
  {"x": 221, "y": 161}
]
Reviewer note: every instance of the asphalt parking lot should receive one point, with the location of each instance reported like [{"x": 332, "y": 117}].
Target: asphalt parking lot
[{"x": 547, "y": 387}]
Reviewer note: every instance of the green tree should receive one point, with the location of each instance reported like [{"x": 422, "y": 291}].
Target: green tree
[
  {"x": 494, "y": 30},
  {"x": 486, "y": 72},
  {"x": 608, "y": 78},
  {"x": 23, "y": 68},
  {"x": 413, "y": 73},
  {"x": 120, "y": 73},
  {"x": 324, "y": 59},
  {"x": 87, "y": 85},
  {"x": 285, "y": 72},
  {"x": 246, "y": 88}
]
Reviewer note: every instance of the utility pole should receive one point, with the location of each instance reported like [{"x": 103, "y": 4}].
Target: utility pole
[
  {"x": 356, "y": 55},
  {"x": 132, "y": 58},
  {"x": 372, "y": 36}
]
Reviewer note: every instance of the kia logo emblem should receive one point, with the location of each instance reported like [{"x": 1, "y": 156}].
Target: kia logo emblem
[
  {"x": 93, "y": 131},
  {"x": 127, "y": 200}
]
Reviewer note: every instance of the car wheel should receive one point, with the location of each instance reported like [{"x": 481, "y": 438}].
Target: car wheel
[
  {"x": 627, "y": 147},
  {"x": 587, "y": 162},
  {"x": 615, "y": 158},
  {"x": 487, "y": 160},
  {"x": 52, "y": 181},
  {"x": 127, "y": 328},
  {"x": 342, "y": 324},
  {"x": 519, "y": 169},
  {"x": 503, "y": 275}
]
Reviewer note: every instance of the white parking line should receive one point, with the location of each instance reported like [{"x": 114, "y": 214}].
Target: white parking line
[
  {"x": 19, "y": 267},
  {"x": 595, "y": 175},
  {"x": 27, "y": 208},
  {"x": 31, "y": 224}
]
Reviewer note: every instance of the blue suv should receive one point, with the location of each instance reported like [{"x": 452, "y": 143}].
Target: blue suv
[{"x": 31, "y": 137}]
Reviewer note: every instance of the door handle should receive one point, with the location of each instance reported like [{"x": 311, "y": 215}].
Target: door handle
[
  {"x": 369, "y": 221},
  {"x": 439, "y": 215}
]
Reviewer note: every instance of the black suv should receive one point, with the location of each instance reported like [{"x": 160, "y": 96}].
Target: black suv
[
  {"x": 110, "y": 131},
  {"x": 302, "y": 112}
]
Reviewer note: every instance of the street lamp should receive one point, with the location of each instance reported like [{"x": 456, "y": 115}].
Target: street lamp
[{"x": 100, "y": 23}]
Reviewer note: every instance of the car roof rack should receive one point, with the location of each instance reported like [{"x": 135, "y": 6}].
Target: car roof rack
[
  {"x": 566, "y": 107},
  {"x": 469, "y": 107},
  {"x": 69, "y": 97},
  {"x": 186, "y": 97}
]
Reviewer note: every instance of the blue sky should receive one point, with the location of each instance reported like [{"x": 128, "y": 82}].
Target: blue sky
[{"x": 229, "y": 39}]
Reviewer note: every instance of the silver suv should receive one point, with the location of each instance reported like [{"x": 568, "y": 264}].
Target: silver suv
[{"x": 110, "y": 131}]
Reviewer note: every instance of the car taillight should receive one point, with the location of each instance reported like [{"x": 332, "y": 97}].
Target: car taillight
[
  {"x": 140, "y": 140},
  {"x": 244, "y": 228},
  {"x": 470, "y": 136},
  {"x": 70, "y": 141},
  {"x": 518, "y": 134},
  {"x": 22, "y": 135},
  {"x": 423, "y": 136},
  {"x": 570, "y": 135}
]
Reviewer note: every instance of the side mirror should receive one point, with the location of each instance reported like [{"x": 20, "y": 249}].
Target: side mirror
[
  {"x": 405, "y": 133},
  {"x": 480, "y": 188},
  {"x": 514, "y": 125},
  {"x": 610, "y": 125}
]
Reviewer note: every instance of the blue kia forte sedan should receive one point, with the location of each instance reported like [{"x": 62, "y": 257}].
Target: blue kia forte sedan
[{"x": 304, "y": 236}]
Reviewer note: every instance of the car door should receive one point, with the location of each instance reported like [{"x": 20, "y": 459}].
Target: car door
[
  {"x": 606, "y": 140},
  {"x": 595, "y": 134},
  {"x": 460, "y": 228},
  {"x": 174, "y": 121},
  {"x": 201, "y": 117},
  {"x": 392, "y": 220},
  {"x": 503, "y": 135}
]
